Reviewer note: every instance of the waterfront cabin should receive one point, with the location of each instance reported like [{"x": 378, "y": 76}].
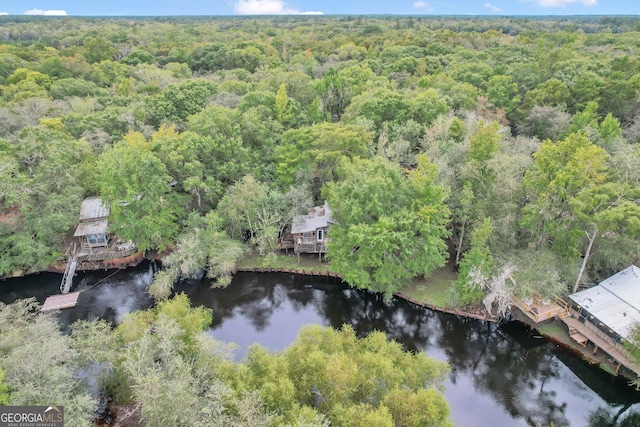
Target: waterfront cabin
[
  {"x": 96, "y": 243},
  {"x": 611, "y": 309},
  {"x": 310, "y": 232},
  {"x": 94, "y": 221}
]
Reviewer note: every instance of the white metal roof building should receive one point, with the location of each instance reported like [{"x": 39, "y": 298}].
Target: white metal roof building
[{"x": 614, "y": 304}]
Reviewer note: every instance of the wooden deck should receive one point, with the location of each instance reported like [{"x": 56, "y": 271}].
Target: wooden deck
[
  {"x": 311, "y": 248},
  {"x": 58, "y": 302},
  {"x": 539, "y": 312},
  {"x": 284, "y": 244},
  {"x": 581, "y": 332},
  {"x": 101, "y": 254},
  {"x": 577, "y": 336}
]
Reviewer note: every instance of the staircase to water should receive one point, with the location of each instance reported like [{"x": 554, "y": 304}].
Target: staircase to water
[{"x": 72, "y": 263}]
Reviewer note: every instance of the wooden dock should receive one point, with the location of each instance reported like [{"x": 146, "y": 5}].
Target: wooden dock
[
  {"x": 484, "y": 316},
  {"x": 58, "y": 302},
  {"x": 582, "y": 333}
]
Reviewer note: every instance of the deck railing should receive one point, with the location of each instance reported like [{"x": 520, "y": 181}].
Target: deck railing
[
  {"x": 119, "y": 251},
  {"x": 561, "y": 302},
  {"x": 561, "y": 309},
  {"x": 312, "y": 248}
]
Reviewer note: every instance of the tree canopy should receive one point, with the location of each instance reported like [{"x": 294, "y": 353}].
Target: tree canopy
[
  {"x": 391, "y": 225},
  {"x": 532, "y": 123},
  {"x": 164, "y": 354}
]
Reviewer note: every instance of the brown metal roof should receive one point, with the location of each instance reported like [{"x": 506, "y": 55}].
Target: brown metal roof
[
  {"x": 93, "y": 227},
  {"x": 93, "y": 208}
]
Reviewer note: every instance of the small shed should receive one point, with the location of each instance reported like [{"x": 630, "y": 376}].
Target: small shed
[
  {"x": 612, "y": 308},
  {"x": 310, "y": 232},
  {"x": 94, "y": 222}
]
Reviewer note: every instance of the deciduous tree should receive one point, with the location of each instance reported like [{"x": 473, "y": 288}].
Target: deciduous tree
[
  {"x": 390, "y": 226},
  {"x": 609, "y": 209},
  {"x": 316, "y": 150},
  {"x": 203, "y": 245},
  {"x": 560, "y": 172},
  {"x": 134, "y": 182},
  {"x": 178, "y": 101},
  {"x": 40, "y": 363},
  {"x": 478, "y": 258},
  {"x": 4, "y": 389},
  {"x": 260, "y": 214},
  {"x": 354, "y": 382}
]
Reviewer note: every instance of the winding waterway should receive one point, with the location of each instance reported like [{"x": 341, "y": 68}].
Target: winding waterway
[{"x": 500, "y": 376}]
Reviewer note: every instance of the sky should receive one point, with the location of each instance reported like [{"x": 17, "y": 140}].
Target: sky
[{"x": 327, "y": 7}]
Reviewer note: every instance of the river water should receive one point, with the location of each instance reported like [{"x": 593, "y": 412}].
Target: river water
[{"x": 500, "y": 376}]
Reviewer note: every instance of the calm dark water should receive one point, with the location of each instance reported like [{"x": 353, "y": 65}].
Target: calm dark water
[{"x": 500, "y": 376}]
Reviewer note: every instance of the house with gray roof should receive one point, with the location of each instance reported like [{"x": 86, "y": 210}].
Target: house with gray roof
[
  {"x": 310, "y": 232},
  {"x": 96, "y": 242},
  {"x": 94, "y": 221}
]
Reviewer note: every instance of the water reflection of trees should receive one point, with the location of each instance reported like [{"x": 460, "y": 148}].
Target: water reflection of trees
[
  {"x": 252, "y": 296},
  {"x": 622, "y": 417},
  {"x": 516, "y": 376},
  {"x": 109, "y": 297},
  {"x": 497, "y": 366}
]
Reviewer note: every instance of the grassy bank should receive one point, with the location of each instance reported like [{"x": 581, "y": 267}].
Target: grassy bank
[
  {"x": 306, "y": 262},
  {"x": 435, "y": 290},
  {"x": 556, "y": 330}
]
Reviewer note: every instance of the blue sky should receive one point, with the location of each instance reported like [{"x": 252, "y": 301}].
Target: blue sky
[{"x": 359, "y": 7}]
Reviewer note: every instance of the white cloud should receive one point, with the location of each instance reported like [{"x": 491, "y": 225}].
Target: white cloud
[
  {"x": 268, "y": 7},
  {"x": 494, "y": 8},
  {"x": 423, "y": 6},
  {"x": 563, "y": 3},
  {"x": 4, "y": 13},
  {"x": 46, "y": 12}
]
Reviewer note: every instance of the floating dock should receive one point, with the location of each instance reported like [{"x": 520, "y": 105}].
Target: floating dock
[{"x": 58, "y": 302}]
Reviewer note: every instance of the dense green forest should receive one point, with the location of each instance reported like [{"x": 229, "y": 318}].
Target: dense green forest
[{"x": 511, "y": 145}]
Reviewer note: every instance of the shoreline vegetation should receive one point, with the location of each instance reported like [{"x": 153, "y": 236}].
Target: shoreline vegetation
[
  {"x": 495, "y": 157},
  {"x": 434, "y": 293}
]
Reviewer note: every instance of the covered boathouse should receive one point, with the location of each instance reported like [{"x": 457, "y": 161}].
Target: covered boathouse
[{"x": 607, "y": 313}]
